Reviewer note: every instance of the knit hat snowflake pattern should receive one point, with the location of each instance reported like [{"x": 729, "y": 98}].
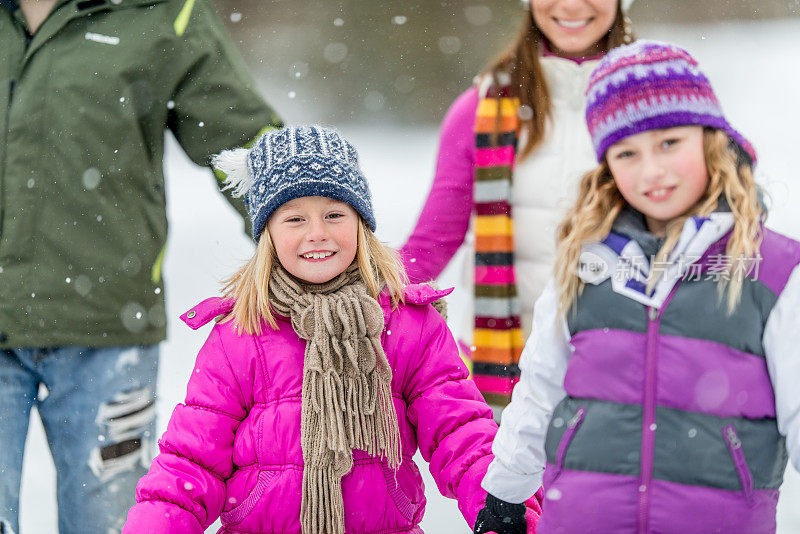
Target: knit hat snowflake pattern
[
  {"x": 296, "y": 162},
  {"x": 648, "y": 85}
]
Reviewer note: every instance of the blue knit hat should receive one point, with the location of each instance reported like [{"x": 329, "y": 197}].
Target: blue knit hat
[{"x": 295, "y": 162}]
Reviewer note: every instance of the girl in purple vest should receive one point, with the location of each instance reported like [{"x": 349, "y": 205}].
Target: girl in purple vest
[
  {"x": 324, "y": 375},
  {"x": 502, "y": 171},
  {"x": 658, "y": 389}
]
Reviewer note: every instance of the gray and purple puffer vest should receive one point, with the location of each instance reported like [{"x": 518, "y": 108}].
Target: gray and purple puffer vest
[{"x": 669, "y": 421}]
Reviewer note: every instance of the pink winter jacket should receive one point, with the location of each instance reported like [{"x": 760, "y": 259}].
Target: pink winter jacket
[{"x": 233, "y": 449}]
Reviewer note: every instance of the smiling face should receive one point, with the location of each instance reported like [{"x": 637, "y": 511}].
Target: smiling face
[
  {"x": 315, "y": 238},
  {"x": 661, "y": 173},
  {"x": 575, "y": 28}
]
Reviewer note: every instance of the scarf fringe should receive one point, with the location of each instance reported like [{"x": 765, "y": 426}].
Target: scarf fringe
[
  {"x": 342, "y": 408},
  {"x": 322, "y": 509}
]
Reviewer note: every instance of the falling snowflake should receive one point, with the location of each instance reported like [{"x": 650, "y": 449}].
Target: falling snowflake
[
  {"x": 335, "y": 52},
  {"x": 553, "y": 494},
  {"x": 374, "y": 101},
  {"x": 449, "y": 44},
  {"x": 91, "y": 178},
  {"x": 478, "y": 15}
]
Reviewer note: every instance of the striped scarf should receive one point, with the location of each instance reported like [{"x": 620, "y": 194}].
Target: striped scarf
[{"x": 497, "y": 337}]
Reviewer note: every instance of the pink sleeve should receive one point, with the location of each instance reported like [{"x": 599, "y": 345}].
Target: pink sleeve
[
  {"x": 444, "y": 220},
  {"x": 184, "y": 490},
  {"x": 454, "y": 425}
]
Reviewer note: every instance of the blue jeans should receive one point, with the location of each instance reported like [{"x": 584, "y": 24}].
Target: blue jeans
[{"x": 98, "y": 410}]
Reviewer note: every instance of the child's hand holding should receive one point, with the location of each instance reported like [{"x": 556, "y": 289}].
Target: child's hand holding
[{"x": 501, "y": 517}]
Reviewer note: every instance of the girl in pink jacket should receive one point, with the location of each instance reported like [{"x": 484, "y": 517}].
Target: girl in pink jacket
[{"x": 323, "y": 374}]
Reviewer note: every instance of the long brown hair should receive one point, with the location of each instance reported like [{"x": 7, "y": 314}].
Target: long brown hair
[
  {"x": 521, "y": 62},
  {"x": 730, "y": 176},
  {"x": 378, "y": 264}
]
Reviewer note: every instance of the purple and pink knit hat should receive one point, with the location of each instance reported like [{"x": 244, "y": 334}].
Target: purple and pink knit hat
[{"x": 648, "y": 85}]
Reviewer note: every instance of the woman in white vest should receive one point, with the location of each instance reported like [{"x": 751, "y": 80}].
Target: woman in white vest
[{"x": 512, "y": 150}]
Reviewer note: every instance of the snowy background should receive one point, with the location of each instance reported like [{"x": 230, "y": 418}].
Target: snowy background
[{"x": 753, "y": 67}]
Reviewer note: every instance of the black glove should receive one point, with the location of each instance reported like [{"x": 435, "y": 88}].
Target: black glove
[{"x": 501, "y": 517}]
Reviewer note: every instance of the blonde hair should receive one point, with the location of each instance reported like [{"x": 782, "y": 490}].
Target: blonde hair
[
  {"x": 521, "y": 62},
  {"x": 599, "y": 203},
  {"x": 378, "y": 265}
]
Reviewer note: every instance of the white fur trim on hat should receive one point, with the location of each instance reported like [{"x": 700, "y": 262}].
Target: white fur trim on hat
[{"x": 233, "y": 163}]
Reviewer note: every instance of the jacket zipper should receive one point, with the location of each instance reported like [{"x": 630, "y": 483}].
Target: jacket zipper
[
  {"x": 737, "y": 453},
  {"x": 566, "y": 439}
]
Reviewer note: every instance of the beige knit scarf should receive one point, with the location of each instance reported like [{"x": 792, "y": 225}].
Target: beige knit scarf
[{"x": 347, "y": 395}]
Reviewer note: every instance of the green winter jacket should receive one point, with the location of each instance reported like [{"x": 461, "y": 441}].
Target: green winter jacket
[{"x": 85, "y": 102}]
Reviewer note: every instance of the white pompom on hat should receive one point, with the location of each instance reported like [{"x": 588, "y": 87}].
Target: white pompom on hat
[{"x": 233, "y": 164}]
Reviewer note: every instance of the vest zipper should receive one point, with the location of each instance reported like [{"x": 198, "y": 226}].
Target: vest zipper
[
  {"x": 649, "y": 408},
  {"x": 648, "y": 418},
  {"x": 572, "y": 426},
  {"x": 737, "y": 453}
]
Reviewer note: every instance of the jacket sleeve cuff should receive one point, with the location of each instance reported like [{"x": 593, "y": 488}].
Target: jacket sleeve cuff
[
  {"x": 161, "y": 517},
  {"x": 508, "y": 485}
]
